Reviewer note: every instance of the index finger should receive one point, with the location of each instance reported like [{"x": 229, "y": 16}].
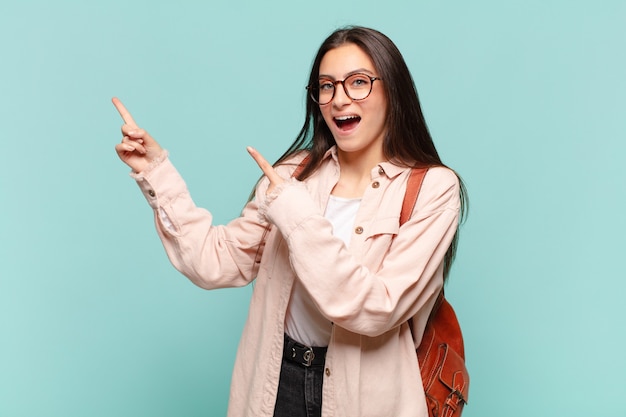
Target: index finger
[
  {"x": 265, "y": 166},
  {"x": 128, "y": 119}
]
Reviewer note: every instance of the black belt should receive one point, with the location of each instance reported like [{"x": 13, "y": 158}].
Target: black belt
[{"x": 303, "y": 355}]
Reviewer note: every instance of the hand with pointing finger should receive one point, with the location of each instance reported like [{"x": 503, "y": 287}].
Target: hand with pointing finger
[
  {"x": 267, "y": 168},
  {"x": 137, "y": 149}
]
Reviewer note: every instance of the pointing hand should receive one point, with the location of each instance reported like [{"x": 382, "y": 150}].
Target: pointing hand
[
  {"x": 267, "y": 169},
  {"x": 137, "y": 149}
]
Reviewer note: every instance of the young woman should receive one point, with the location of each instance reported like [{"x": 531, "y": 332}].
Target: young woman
[{"x": 337, "y": 278}]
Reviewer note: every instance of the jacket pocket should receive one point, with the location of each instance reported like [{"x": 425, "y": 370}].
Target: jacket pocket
[{"x": 383, "y": 226}]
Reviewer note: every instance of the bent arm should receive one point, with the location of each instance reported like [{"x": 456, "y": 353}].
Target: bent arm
[{"x": 347, "y": 292}]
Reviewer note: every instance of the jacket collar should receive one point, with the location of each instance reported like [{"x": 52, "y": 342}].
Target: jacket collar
[{"x": 390, "y": 169}]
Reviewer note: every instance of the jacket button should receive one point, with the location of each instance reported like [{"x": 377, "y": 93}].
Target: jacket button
[
  {"x": 358, "y": 230},
  {"x": 375, "y": 184},
  {"x": 327, "y": 371},
  {"x": 381, "y": 171},
  {"x": 152, "y": 193}
]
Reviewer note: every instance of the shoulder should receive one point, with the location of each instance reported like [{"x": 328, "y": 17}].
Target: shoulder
[
  {"x": 441, "y": 177},
  {"x": 440, "y": 190}
]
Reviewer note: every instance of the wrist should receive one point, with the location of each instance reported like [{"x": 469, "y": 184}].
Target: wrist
[{"x": 144, "y": 170}]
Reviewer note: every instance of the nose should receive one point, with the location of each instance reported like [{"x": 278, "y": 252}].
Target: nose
[{"x": 341, "y": 98}]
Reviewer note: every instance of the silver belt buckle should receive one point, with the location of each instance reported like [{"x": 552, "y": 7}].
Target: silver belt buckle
[{"x": 308, "y": 356}]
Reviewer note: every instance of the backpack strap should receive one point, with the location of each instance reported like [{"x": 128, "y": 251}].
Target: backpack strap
[
  {"x": 301, "y": 166},
  {"x": 413, "y": 187}
]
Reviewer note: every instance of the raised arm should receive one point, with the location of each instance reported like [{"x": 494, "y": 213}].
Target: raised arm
[{"x": 211, "y": 256}]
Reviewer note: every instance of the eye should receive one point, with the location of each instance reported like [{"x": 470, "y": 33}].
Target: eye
[
  {"x": 326, "y": 85},
  {"x": 359, "y": 81}
]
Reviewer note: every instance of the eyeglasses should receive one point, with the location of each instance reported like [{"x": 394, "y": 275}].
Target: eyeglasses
[{"x": 357, "y": 87}]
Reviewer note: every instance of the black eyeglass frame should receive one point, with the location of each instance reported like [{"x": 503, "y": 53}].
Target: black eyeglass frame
[{"x": 312, "y": 88}]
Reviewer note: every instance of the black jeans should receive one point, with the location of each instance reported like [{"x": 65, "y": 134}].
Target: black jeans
[{"x": 299, "y": 390}]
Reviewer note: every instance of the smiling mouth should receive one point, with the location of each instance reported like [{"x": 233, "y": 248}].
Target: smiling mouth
[{"x": 347, "y": 122}]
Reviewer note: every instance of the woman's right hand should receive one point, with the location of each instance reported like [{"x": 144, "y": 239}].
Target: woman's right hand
[{"x": 137, "y": 149}]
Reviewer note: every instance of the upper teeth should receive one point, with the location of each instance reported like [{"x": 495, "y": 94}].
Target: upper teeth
[{"x": 342, "y": 118}]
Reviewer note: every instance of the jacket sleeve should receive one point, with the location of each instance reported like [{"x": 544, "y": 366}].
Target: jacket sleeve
[
  {"x": 344, "y": 289},
  {"x": 211, "y": 256}
]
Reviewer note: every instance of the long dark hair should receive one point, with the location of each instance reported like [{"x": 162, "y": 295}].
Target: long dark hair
[{"x": 407, "y": 141}]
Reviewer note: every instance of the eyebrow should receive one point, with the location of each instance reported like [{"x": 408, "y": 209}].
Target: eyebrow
[{"x": 356, "y": 71}]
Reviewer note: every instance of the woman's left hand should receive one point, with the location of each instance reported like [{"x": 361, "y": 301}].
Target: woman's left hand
[{"x": 267, "y": 168}]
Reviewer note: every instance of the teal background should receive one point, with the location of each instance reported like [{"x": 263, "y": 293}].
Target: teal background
[{"x": 525, "y": 99}]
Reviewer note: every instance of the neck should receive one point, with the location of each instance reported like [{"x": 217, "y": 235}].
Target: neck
[
  {"x": 355, "y": 173},
  {"x": 359, "y": 164}
]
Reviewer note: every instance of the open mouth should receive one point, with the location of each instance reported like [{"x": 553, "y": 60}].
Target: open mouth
[{"x": 347, "y": 122}]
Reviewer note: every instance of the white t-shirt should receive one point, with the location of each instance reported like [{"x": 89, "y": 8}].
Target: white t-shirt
[{"x": 304, "y": 322}]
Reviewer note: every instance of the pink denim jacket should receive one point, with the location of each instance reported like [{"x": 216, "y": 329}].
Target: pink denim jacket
[{"x": 369, "y": 290}]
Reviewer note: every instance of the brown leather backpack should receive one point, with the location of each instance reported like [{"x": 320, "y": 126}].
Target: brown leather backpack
[{"x": 441, "y": 354}]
